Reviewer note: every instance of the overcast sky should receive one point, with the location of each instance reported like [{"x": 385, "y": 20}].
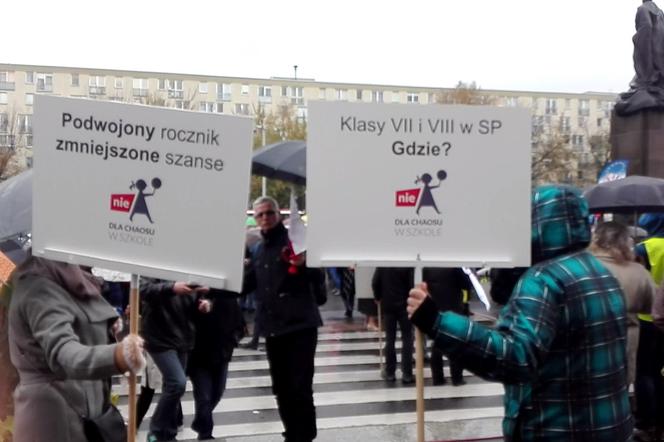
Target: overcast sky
[{"x": 540, "y": 45}]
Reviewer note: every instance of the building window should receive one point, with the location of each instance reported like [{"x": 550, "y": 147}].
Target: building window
[
  {"x": 139, "y": 87},
  {"x": 118, "y": 83},
  {"x": 179, "y": 104},
  {"x": 395, "y": 97},
  {"x": 551, "y": 106},
  {"x": 224, "y": 92},
  {"x": 358, "y": 95},
  {"x": 97, "y": 85},
  {"x": 203, "y": 88},
  {"x": 511, "y": 102},
  {"x": 29, "y": 99},
  {"x": 577, "y": 141},
  {"x": 322, "y": 93},
  {"x": 175, "y": 89},
  {"x": 584, "y": 108},
  {"x": 162, "y": 84},
  {"x": 242, "y": 108},
  {"x": 565, "y": 125},
  {"x": 342, "y": 94},
  {"x": 583, "y": 122},
  {"x": 75, "y": 81},
  {"x": 25, "y": 123},
  {"x": 4, "y": 122},
  {"x": 244, "y": 90},
  {"x": 220, "y": 108},
  {"x": 29, "y": 77},
  {"x": 296, "y": 94},
  {"x": 205, "y": 106},
  {"x": 377, "y": 96},
  {"x": 607, "y": 107},
  {"x": 302, "y": 114},
  {"x": 3, "y": 97},
  {"x": 28, "y": 140},
  {"x": 8, "y": 140},
  {"x": 599, "y": 122},
  {"x": 7, "y": 81},
  {"x": 45, "y": 82},
  {"x": 264, "y": 94},
  {"x": 413, "y": 97}
]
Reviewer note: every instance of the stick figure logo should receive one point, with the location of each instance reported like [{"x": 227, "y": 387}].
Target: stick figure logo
[
  {"x": 135, "y": 203},
  {"x": 421, "y": 197}
]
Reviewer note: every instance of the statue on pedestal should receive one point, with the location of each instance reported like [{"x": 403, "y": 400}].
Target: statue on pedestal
[{"x": 647, "y": 87}]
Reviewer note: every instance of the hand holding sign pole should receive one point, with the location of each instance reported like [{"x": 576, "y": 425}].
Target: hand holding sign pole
[{"x": 440, "y": 174}]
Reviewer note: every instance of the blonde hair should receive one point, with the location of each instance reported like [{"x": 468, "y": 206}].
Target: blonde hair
[{"x": 613, "y": 238}]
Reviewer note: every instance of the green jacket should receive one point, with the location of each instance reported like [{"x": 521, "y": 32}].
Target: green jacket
[{"x": 559, "y": 345}]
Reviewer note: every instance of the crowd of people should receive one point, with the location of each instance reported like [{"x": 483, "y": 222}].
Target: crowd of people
[{"x": 578, "y": 327}]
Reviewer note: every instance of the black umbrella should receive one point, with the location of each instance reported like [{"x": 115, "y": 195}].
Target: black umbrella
[
  {"x": 286, "y": 160},
  {"x": 628, "y": 195}
]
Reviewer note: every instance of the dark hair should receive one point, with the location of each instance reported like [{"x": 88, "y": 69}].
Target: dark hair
[{"x": 613, "y": 237}]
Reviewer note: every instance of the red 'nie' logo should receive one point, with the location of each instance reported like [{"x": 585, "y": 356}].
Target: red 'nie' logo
[
  {"x": 122, "y": 202},
  {"x": 407, "y": 198}
]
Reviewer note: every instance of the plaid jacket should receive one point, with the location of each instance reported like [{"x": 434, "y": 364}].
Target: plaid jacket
[{"x": 560, "y": 343}]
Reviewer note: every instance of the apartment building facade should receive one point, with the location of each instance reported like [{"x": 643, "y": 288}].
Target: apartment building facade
[{"x": 577, "y": 116}]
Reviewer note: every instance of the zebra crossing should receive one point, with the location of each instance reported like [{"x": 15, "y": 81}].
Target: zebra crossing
[{"x": 348, "y": 392}]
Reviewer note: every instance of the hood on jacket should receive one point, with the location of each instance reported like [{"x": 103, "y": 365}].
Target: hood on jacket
[
  {"x": 653, "y": 223},
  {"x": 560, "y": 222}
]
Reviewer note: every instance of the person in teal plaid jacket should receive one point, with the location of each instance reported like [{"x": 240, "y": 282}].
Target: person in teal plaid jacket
[{"x": 559, "y": 345}]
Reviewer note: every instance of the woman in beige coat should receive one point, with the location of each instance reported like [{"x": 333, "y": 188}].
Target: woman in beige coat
[
  {"x": 613, "y": 246},
  {"x": 59, "y": 330}
]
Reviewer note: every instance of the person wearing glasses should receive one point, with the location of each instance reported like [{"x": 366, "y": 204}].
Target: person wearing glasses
[{"x": 288, "y": 292}]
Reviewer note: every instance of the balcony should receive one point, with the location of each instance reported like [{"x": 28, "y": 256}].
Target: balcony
[
  {"x": 7, "y": 85},
  {"x": 97, "y": 90},
  {"x": 224, "y": 96},
  {"x": 173, "y": 93},
  {"x": 140, "y": 92},
  {"x": 44, "y": 87}
]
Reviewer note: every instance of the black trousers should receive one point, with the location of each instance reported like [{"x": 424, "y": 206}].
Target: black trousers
[
  {"x": 291, "y": 359},
  {"x": 649, "y": 383},
  {"x": 456, "y": 369},
  {"x": 391, "y": 319}
]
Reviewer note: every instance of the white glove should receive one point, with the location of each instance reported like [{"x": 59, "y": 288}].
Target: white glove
[{"x": 132, "y": 353}]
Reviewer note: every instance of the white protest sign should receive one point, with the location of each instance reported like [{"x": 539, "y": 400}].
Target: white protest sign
[
  {"x": 150, "y": 191},
  {"x": 393, "y": 184}
]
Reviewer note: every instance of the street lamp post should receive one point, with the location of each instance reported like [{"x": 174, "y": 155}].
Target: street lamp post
[{"x": 263, "y": 179}]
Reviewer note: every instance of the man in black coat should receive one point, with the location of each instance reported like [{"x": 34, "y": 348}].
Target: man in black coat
[
  {"x": 167, "y": 325},
  {"x": 446, "y": 286},
  {"x": 290, "y": 319},
  {"x": 217, "y": 335},
  {"x": 390, "y": 288}
]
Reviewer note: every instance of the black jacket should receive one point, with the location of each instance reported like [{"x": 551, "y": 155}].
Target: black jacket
[
  {"x": 287, "y": 300},
  {"x": 391, "y": 286},
  {"x": 167, "y": 319},
  {"x": 446, "y": 287},
  {"x": 217, "y": 332}
]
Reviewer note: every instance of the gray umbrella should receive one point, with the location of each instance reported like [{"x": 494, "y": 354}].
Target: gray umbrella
[
  {"x": 286, "y": 160},
  {"x": 628, "y": 195},
  {"x": 16, "y": 205}
]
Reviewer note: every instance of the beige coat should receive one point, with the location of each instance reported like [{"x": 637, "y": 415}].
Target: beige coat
[
  {"x": 58, "y": 344},
  {"x": 639, "y": 288},
  {"x": 658, "y": 308}
]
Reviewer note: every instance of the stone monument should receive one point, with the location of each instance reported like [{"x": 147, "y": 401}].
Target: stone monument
[{"x": 637, "y": 123}]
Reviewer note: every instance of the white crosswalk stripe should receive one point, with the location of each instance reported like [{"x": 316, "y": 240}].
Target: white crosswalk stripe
[{"x": 348, "y": 389}]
